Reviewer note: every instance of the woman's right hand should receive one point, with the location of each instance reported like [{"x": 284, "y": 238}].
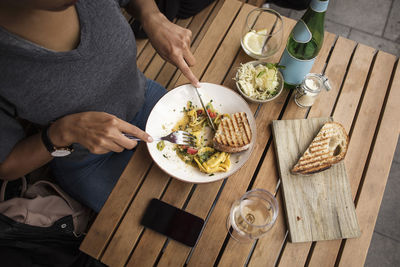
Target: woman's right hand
[{"x": 99, "y": 132}]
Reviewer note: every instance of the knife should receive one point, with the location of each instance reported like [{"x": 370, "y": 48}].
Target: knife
[{"x": 206, "y": 111}]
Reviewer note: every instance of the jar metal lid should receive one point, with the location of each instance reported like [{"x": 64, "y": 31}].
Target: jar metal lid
[{"x": 319, "y": 80}]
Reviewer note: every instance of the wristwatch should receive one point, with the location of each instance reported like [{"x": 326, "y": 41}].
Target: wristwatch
[{"x": 54, "y": 151}]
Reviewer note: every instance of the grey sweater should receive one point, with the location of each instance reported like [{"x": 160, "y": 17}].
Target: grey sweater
[{"x": 41, "y": 85}]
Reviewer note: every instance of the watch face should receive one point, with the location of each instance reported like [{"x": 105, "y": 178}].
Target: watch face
[{"x": 60, "y": 153}]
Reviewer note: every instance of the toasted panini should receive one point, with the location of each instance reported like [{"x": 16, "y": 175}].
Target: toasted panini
[
  {"x": 328, "y": 148},
  {"x": 233, "y": 134}
]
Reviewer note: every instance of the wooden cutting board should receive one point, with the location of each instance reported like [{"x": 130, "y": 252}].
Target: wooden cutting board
[{"x": 318, "y": 206}]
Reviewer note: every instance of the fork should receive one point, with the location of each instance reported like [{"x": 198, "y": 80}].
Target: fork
[
  {"x": 177, "y": 137},
  {"x": 210, "y": 121}
]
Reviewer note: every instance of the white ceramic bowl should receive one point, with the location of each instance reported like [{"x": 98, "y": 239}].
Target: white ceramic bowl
[{"x": 259, "y": 101}]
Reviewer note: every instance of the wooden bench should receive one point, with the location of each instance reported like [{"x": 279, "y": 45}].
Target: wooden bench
[{"x": 365, "y": 99}]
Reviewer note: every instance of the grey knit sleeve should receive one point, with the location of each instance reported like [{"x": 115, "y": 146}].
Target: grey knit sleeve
[{"x": 11, "y": 131}]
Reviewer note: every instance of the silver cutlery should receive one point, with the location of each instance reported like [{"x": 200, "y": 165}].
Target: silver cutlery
[
  {"x": 205, "y": 110},
  {"x": 177, "y": 137}
]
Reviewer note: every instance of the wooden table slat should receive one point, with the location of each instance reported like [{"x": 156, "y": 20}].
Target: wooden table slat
[
  {"x": 292, "y": 112},
  {"x": 294, "y": 254},
  {"x": 202, "y": 22},
  {"x": 113, "y": 210},
  {"x": 216, "y": 74},
  {"x": 326, "y": 252},
  {"x": 168, "y": 71},
  {"x": 148, "y": 53},
  {"x": 240, "y": 255},
  {"x": 365, "y": 124},
  {"x": 202, "y": 199},
  {"x": 353, "y": 86},
  {"x": 229, "y": 47},
  {"x": 268, "y": 248},
  {"x": 237, "y": 253},
  {"x": 140, "y": 45},
  {"x": 212, "y": 38},
  {"x": 233, "y": 190},
  {"x": 335, "y": 71},
  {"x": 373, "y": 187},
  {"x": 145, "y": 57},
  {"x": 174, "y": 252},
  {"x": 267, "y": 251},
  {"x": 157, "y": 63},
  {"x": 196, "y": 42},
  {"x": 151, "y": 242},
  {"x": 127, "y": 16},
  {"x": 209, "y": 42},
  {"x": 124, "y": 239}
]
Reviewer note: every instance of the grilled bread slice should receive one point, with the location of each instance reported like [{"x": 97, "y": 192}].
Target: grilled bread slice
[
  {"x": 327, "y": 148},
  {"x": 233, "y": 134}
]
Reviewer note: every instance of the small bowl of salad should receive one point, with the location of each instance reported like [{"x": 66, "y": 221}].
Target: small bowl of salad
[{"x": 258, "y": 81}]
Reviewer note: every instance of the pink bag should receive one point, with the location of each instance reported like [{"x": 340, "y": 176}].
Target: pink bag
[{"x": 42, "y": 204}]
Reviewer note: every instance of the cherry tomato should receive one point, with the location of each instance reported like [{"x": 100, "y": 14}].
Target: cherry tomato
[
  {"x": 191, "y": 150},
  {"x": 199, "y": 112},
  {"x": 211, "y": 113}
]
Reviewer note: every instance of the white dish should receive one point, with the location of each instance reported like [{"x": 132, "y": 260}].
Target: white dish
[{"x": 168, "y": 111}]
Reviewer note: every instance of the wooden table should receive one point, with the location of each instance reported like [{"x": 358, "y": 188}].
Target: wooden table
[{"x": 365, "y": 99}]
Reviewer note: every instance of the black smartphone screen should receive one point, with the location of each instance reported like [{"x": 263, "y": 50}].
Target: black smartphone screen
[{"x": 172, "y": 222}]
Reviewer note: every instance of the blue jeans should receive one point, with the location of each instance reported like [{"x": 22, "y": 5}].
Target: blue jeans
[{"x": 91, "y": 180}]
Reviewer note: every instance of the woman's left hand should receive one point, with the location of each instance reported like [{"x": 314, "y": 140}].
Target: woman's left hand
[{"x": 172, "y": 42}]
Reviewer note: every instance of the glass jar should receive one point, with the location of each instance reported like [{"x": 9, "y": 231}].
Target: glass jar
[{"x": 307, "y": 92}]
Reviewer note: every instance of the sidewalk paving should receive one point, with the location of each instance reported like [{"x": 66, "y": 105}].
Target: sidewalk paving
[{"x": 375, "y": 23}]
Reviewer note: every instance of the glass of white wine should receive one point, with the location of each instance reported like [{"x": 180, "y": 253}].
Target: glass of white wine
[
  {"x": 252, "y": 215},
  {"x": 262, "y": 33}
]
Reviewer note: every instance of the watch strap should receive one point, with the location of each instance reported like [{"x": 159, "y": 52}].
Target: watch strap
[
  {"x": 46, "y": 140},
  {"x": 54, "y": 151}
]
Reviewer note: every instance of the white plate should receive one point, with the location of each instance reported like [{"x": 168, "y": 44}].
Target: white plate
[{"x": 168, "y": 111}]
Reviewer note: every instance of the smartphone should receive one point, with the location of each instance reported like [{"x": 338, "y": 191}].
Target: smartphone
[{"x": 172, "y": 222}]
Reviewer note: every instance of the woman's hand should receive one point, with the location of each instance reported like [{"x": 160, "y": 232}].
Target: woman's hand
[
  {"x": 172, "y": 42},
  {"x": 99, "y": 132}
]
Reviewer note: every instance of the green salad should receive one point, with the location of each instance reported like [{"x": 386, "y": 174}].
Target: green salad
[{"x": 260, "y": 82}]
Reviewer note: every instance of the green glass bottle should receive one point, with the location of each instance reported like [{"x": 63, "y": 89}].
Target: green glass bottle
[{"x": 304, "y": 43}]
